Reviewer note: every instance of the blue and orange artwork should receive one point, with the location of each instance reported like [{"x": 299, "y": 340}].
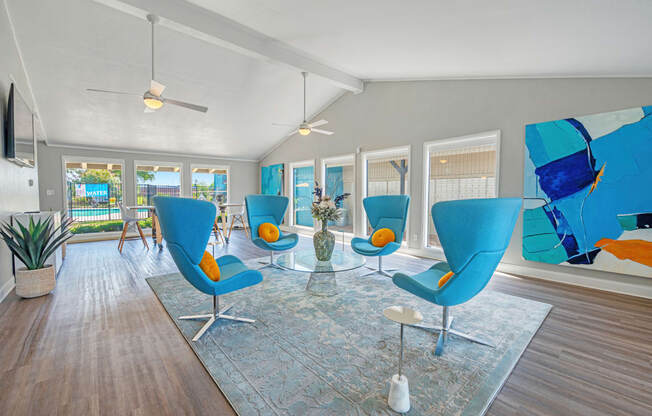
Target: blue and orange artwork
[
  {"x": 588, "y": 192},
  {"x": 271, "y": 180}
]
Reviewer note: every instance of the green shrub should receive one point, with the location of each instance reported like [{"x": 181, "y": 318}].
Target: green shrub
[{"x": 104, "y": 226}]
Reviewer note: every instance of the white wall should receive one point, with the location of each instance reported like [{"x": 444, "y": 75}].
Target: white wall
[
  {"x": 15, "y": 192},
  {"x": 243, "y": 175},
  {"x": 391, "y": 114}
]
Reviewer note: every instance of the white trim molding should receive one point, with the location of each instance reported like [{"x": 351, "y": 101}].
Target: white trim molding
[
  {"x": 491, "y": 137},
  {"x": 227, "y": 168},
  {"x": 182, "y": 190},
  {"x": 365, "y": 156},
  {"x": 84, "y": 159},
  {"x": 290, "y": 176}
]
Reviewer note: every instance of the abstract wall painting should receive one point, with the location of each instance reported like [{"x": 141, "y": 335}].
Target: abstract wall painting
[
  {"x": 271, "y": 180},
  {"x": 588, "y": 192}
]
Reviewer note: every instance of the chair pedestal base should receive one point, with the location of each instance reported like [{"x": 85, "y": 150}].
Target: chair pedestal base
[
  {"x": 270, "y": 264},
  {"x": 446, "y": 329},
  {"x": 379, "y": 270},
  {"x": 213, "y": 317}
]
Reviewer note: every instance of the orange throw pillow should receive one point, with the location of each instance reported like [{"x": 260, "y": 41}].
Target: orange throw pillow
[
  {"x": 382, "y": 236},
  {"x": 445, "y": 278},
  {"x": 210, "y": 267},
  {"x": 268, "y": 232}
]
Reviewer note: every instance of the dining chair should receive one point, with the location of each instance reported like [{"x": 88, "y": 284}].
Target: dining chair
[
  {"x": 238, "y": 214},
  {"x": 186, "y": 225},
  {"x": 474, "y": 234},
  {"x": 383, "y": 211},
  {"x": 129, "y": 219},
  {"x": 269, "y": 208}
]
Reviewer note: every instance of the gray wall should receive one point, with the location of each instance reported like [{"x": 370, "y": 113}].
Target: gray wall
[
  {"x": 390, "y": 114},
  {"x": 243, "y": 175},
  {"x": 15, "y": 192}
]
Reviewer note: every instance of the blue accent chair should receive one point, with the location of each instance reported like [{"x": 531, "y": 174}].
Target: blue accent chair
[
  {"x": 269, "y": 208},
  {"x": 384, "y": 211},
  {"x": 186, "y": 225},
  {"x": 474, "y": 235}
]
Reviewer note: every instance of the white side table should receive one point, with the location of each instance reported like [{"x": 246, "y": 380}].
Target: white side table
[{"x": 399, "y": 392}]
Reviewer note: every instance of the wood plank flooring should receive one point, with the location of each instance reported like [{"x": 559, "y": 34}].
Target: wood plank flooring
[{"x": 102, "y": 344}]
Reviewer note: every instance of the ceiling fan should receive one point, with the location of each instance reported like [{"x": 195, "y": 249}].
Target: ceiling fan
[
  {"x": 306, "y": 128},
  {"x": 152, "y": 98}
]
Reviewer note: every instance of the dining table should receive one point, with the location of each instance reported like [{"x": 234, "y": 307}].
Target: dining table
[
  {"x": 223, "y": 208},
  {"x": 157, "y": 236}
]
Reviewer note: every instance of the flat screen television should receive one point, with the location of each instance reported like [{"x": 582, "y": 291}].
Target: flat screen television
[{"x": 20, "y": 145}]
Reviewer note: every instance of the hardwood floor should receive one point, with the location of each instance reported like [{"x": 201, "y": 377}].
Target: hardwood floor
[{"x": 102, "y": 344}]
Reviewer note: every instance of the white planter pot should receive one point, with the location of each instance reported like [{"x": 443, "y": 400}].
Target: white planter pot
[{"x": 33, "y": 283}]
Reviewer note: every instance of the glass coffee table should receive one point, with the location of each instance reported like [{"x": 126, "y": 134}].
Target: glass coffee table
[{"x": 322, "y": 273}]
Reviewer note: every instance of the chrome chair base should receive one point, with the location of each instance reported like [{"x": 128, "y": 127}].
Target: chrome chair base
[
  {"x": 444, "y": 331},
  {"x": 379, "y": 270},
  {"x": 213, "y": 317},
  {"x": 270, "y": 263}
]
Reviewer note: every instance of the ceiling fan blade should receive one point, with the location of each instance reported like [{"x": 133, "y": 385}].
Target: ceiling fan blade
[
  {"x": 318, "y": 123},
  {"x": 113, "y": 92},
  {"x": 156, "y": 88},
  {"x": 326, "y": 132},
  {"x": 293, "y": 132},
  {"x": 283, "y": 125},
  {"x": 186, "y": 105}
]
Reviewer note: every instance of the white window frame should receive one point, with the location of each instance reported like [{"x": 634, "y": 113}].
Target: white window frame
[
  {"x": 290, "y": 176},
  {"x": 227, "y": 168},
  {"x": 477, "y": 139},
  {"x": 182, "y": 190},
  {"x": 365, "y": 156},
  {"x": 81, "y": 159},
  {"x": 348, "y": 159}
]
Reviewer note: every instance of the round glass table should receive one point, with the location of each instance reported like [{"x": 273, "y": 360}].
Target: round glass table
[{"x": 322, "y": 273}]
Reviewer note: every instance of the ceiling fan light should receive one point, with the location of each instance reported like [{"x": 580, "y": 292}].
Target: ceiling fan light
[
  {"x": 153, "y": 103},
  {"x": 304, "y": 131}
]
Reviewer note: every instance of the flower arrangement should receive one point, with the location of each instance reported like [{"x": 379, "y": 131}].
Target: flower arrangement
[{"x": 324, "y": 208}]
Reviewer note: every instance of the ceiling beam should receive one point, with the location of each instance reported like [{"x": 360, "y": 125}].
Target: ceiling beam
[{"x": 214, "y": 28}]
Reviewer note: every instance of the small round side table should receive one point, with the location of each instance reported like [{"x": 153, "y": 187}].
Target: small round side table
[{"x": 399, "y": 392}]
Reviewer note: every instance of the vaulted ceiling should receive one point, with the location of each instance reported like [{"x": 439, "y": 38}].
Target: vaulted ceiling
[{"x": 71, "y": 45}]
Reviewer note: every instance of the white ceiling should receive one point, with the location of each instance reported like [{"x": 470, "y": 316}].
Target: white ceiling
[
  {"x": 393, "y": 39},
  {"x": 71, "y": 45}
]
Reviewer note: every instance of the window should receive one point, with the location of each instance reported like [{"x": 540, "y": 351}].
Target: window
[
  {"x": 460, "y": 168},
  {"x": 210, "y": 183},
  {"x": 156, "y": 178},
  {"x": 303, "y": 180},
  {"x": 386, "y": 172},
  {"x": 339, "y": 178},
  {"x": 93, "y": 191}
]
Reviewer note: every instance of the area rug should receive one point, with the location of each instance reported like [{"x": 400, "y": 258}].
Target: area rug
[{"x": 308, "y": 355}]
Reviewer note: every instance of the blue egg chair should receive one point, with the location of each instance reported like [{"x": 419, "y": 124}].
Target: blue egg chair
[
  {"x": 186, "y": 225},
  {"x": 384, "y": 211},
  {"x": 474, "y": 235},
  {"x": 269, "y": 208}
]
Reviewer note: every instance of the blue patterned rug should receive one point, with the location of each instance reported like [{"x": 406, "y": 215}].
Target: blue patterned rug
[{"x": 308, "y": 355}]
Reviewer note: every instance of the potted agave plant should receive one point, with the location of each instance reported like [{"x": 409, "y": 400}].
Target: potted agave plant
[
  {"x": 33, "y": 245},
  {"x": 325, "y": 209}
]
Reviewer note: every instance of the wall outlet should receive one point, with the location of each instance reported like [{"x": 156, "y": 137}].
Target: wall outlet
[
  {"x": 49, "y": 192},
  {"x": 415, "y": 237}
]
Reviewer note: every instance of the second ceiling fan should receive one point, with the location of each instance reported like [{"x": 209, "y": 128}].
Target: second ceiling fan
[{"x": 306, "y": 128}]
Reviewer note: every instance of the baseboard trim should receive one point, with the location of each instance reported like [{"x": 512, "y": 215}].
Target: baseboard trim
[
  {"x": 7, "y": 288},
  {"x": 621, "y": 287}
]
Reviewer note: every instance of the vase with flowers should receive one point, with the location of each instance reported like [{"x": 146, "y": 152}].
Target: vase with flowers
[{"x": 325, "y": 209}]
